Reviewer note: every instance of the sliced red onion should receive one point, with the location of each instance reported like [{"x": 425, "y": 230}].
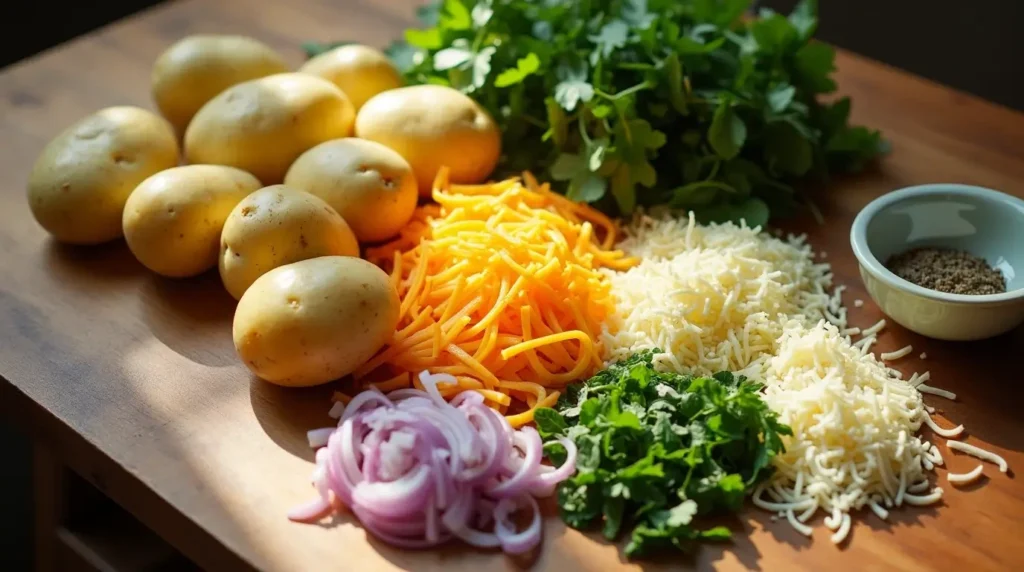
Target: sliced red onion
[
  {"x": 318, "y": 437},
  {"x": 336, "y": 410},
  {"x": 430, "y": 382},
  {"x": 514, "y": 542},
  {"x": 370, "y": 396},
  {"x": 456, "y": 520},
  {"x": 397, "y": 498},
  {"x": 552, "y": 476},
  {"x": 529, "y": 441},
  {"x": 311, "y": 511},
  {"x": 418, "y": 471}
]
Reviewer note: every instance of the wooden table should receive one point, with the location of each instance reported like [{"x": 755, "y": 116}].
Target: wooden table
[{"x": 131, "y": 380}]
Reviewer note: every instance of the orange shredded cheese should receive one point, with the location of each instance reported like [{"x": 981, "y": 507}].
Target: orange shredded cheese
[{"x": 499, "y": 287}]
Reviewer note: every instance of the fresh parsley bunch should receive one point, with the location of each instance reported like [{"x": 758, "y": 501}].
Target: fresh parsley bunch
[
  {"x": 648, "y": 102},
  {"x": 658, "y": 449}
]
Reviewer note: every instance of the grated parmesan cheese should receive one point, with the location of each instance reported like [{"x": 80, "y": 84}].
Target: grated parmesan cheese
[
  {"x": 715, "y": 297},
  {"x": 854, "y": 426}
]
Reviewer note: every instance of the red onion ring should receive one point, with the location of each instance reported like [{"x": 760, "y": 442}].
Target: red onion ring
[
  {"x": 418, "y": 471},
  {"x": 514, "y": 542}
]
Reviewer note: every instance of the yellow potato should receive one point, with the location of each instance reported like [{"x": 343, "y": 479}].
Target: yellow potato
[
  {"x": 433, "y": 126},
  {"x": 263, "y": 125},
  {"x": 372, "y": 187},
  {"x": 81, "y": 180},
  {"x": 197, "y": 68},
  {"x": 172, "y": 220},
  {"x": 275, "y": 226},
  {"x": 314, "y": 321},
  {"x": 360, "y": 71}
]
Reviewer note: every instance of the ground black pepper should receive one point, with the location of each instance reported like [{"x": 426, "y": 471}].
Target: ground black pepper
[{"x": 947, "y": 270}]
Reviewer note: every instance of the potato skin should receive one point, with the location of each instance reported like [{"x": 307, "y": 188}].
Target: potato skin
[
  {"x": 196, "y": 68},
  {"x": 371, "y": 186},
  {"x": 316, "y": 320},
  {"x": 432, "y": 126},
  {"x": 79, "y": 184},
  {"x": 263, "y": 125},
  {"x": 173, "y": 220},
  {"x": 278, "y": 225},
  {"x": 360, "y": 71}
]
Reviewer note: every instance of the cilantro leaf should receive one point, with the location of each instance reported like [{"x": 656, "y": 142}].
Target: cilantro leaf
[
  {"x": 612, "y": 36},
  {"x": 717, "y": 86},
  {"x": 727, "y": 133},
  {"x": 659, "y": 451},
  {"x": 549, "y": 422},
  {"x": 524, "y": 67},
  {"x": 449, "y": 58}
]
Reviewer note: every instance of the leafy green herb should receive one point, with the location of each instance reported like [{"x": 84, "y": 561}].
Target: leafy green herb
[
  {"x": 632, "y": 103},
  {"x": 658, "y": 449}
]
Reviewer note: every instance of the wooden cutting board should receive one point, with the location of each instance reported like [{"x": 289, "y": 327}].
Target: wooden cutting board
[{"x": 132, "y": 379}]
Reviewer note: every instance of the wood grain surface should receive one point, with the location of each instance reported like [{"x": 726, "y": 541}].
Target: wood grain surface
[{"x": 132, "y": 379}]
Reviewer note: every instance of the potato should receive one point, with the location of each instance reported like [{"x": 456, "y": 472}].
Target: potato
[
  {"x": 433, "y": 126},
  {"x": 263, "y": 125},
  {"x": 172, "y": 220},
  {"x": 372, "y": 187},
  {"x": 360, "y": 71},
  {"x": 313, "y": 321},
  {"x": 197, "y": 68},
  {"x": 275, "y": 226},
  {"x": 81, "y": 180}
]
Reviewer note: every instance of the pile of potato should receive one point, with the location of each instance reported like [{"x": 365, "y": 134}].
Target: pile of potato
[{"x": 254, "y": 170}]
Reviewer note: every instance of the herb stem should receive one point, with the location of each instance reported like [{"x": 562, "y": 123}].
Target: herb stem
[
  {"x": 625, "y": 92},
  {"x": 533, "y": 121},
  {"x": 583, "y": 128},
  {"x": 636, "y": 66}
]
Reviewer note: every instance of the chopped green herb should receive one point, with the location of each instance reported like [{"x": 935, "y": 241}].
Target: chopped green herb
[
  {"x": 658, "y": 449},
  {"x": 678, "y": 102}
]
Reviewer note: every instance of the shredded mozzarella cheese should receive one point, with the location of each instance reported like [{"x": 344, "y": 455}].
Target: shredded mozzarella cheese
[
  {"x": 955, "y": 431},
  {"x": 854, "y": 426},
  {"x": 714, "y": 297},
  {"x": 965, "y": 478},
  {"x": 936, "y": 391},
  {"x": 979, "y": 453},
  {"x": 902, "y": 352}
]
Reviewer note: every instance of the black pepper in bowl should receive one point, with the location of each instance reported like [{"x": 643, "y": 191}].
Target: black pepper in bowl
[{"x": 947, "y": 270}]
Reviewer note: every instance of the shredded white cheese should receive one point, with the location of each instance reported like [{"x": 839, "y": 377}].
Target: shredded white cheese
[
  {"x": 936, "y": 391},
  {"x": 854, "y": 425},
  {"x": 858, "y": 303},
  {"x": 728, "y": 297},
  {"x": 714, "y": 297},
  {"x": 874, "y": 329},
  {"x": 979, "y": 453},
  {"x": 902, "y": 352},
  {"x": 954, "y": 432},
  {"x": 923, "y": 355},
  {"x": 965, "y": 478}
]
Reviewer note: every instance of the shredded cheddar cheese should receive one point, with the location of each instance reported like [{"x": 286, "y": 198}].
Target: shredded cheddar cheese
[{"x": 500, "y": 288}]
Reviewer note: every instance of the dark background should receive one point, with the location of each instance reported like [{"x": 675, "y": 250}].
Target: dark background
[{"x": 973, "y": 46}]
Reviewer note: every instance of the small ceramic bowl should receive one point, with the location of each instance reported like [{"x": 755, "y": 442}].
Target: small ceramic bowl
[{"x": 980, "y": 221}]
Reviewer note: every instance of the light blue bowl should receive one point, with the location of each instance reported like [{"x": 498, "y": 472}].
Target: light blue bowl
[{"x": 981, "y": 221}]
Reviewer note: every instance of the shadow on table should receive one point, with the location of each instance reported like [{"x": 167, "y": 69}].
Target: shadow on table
[
  {"x": 191, "y": 316},
  {"x": 287, "y": 413},
  {"x": 92, "y": 265}
]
